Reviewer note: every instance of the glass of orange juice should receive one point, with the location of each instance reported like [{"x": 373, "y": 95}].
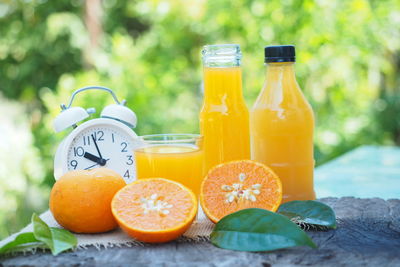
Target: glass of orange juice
[{"x": 178, "y": 157}]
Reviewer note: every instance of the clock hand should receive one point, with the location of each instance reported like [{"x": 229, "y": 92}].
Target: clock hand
[
  {"x": 91, "y": 166},
  {"x": 91, "y": 157},
  {"x": 87, "y": 168},
  {"x": 94, "y": 158},
  {"x": 97, "y": 148}
]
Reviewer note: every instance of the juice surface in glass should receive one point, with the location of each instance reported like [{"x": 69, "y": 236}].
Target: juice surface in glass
[
  {"x": 224, "y": 117},
  {"x": 182, "y": 163},
  {"x": 282, "y": 126}
]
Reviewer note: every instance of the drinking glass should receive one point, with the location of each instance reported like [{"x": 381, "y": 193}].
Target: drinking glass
[{"x": 177, "y": 157}]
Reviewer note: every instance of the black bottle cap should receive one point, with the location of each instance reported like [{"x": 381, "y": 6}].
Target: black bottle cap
[{"x": 280, "y": 53}]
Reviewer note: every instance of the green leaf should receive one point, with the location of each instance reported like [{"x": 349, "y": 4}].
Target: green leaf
[
  {"x": 42, "y": 231},
  {"x": 19, "y": 242},
  {"x": 57, "y": 240},
  {"x": 258, "y": 230},
  {"x": 309, "y": 212},
  {"x": 62, "y": 240}
]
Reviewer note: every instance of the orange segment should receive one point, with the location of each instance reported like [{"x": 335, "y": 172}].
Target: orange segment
[
  {"x": 154, "y": 210},
  {"x": 238, "y": 185}
]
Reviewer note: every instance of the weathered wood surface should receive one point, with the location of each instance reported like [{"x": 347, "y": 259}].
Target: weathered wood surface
[{"x": 368, "y": 234}]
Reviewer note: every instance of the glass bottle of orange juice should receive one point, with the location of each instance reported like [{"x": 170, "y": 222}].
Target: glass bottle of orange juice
[
  {"x": 282, "y": 126},
  {"x": 224, "y": 117}
]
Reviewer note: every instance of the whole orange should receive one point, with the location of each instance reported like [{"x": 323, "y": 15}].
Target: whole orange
[{"x": 81, "y": 200}]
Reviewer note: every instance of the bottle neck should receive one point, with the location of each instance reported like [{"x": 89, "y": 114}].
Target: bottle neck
[
  {"x": 221, "y": 62},
  {"x": 222, "y": 84},
  {"x": 221, "y": 56},
  {"x": 222, "y": 74},
  {"x": 280, "y": 71},
  {"x": 281, "y": 90}
]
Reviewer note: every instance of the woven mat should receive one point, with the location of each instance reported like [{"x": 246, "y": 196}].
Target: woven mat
[{"x": 199, "y": 231}]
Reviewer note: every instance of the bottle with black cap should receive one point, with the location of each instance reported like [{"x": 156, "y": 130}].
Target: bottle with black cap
[{"x": 282, "y": 126}]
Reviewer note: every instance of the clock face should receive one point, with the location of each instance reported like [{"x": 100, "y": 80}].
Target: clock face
[{"x": 103, "y": 145}]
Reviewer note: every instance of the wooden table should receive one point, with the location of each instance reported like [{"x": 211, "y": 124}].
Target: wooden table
[{"x": 368, "y": 233}]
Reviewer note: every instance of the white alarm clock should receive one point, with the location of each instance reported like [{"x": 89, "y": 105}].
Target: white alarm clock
[{"x": 108, "y": 141}]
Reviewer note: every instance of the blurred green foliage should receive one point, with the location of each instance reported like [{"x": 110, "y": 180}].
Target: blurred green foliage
[{"x": 348, "y": 55}]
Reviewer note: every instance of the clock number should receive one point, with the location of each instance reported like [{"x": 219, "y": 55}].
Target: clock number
[
  {"x": 101, "y": 134},
  {"x": 126, "y": 175},
  {"x": 79, "y": 151},
  {"x": 124, "y": 146},
  {"x": 98, "y": 136},
  {"x": 112, "y": 136},
  {"x": 86, "y": 140},
  {"x": 130, "y": 160},
  {"x": 74, "y": 164}
]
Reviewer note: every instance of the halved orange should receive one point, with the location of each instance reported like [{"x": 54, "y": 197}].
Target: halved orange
[
  {"x": 238, "y": 185},
  {"x": 154, "y": 210}
]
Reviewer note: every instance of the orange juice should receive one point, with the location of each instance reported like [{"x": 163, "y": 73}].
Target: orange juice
[
  {"x": 224, "y": 117},
  {"x": 181, "y": 163},
  {"x": 282, "y": 126}
]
